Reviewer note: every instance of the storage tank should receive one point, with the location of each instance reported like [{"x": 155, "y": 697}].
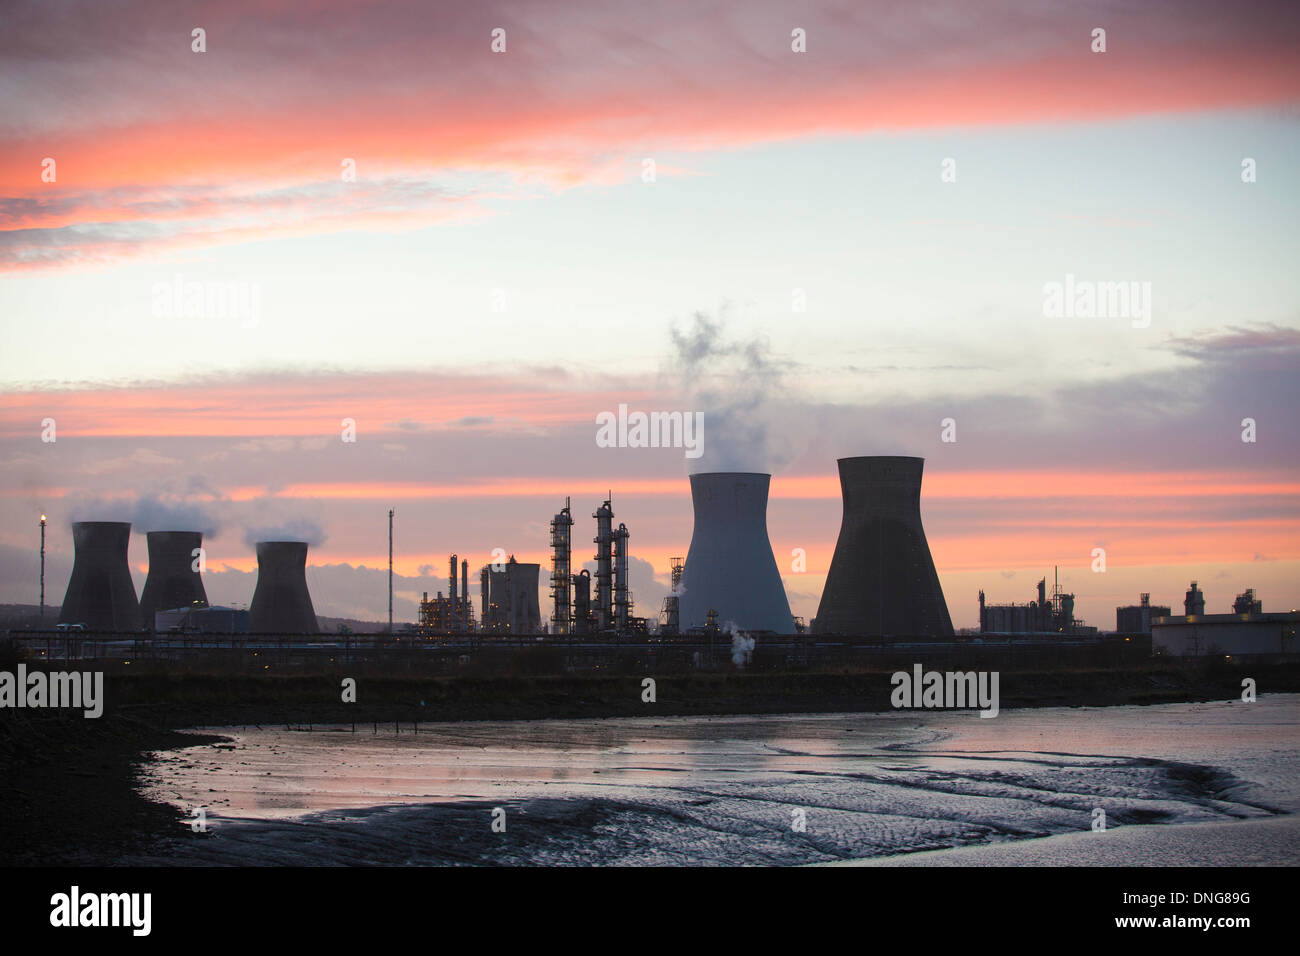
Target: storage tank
[
  {"x": 101, "y": 594},
  {"x": 882, "y": 579},
  {"x": 730, "y": 567},
  {"x": 172, "y": 582},
  {"x": 281, "y": 602}
]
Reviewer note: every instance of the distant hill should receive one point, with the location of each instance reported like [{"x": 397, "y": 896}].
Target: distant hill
[
  {"x": 330, "y": 625},
  {"x": 27, "y": 615},
  {"x": 19, "y": 616}
]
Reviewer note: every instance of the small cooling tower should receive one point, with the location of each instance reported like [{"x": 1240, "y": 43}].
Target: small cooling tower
[
  {"x": 730, "y": 567},
  {"x": 172, "y": 581},
  {"x": 281, "y": 603},
  {"x": 882, "y": 579},
  {"x": 100, "y": 592}
]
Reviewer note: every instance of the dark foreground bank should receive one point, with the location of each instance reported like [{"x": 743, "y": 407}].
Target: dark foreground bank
[{"x": 67, "y": 784}]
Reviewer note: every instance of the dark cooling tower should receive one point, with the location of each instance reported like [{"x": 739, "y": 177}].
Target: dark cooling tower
[
  {"x": 281, "y": 604},
  {"x": 101, "y": 594},
  {"x": 172, "y": 580},
  {"x": 730, "y": 567},
  {"x": 882, "y": 579}
]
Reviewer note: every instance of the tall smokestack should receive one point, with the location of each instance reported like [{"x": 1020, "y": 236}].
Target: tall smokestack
[
  {"x": 465, "y": 608},
  {"x": 390, "y": 571},
  {"x": 730, "y": 567},
  {"x": 451, "y": 589},
  {"x": 173, "y": 581},
  {"x": 882, "y": 579},
  {"x": 100, "y": 592},
  {"x": 281, "y": 602}
]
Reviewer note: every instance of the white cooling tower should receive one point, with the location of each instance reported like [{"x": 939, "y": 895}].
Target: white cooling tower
[{"x": 730, "y": 567}]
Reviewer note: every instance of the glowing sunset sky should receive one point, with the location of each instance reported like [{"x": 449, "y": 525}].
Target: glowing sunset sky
[{"x": 501, "y": 271}]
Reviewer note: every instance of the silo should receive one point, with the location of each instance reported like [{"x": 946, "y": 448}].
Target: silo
[
  {"x": 882, "y": 579},
  {"x": 172, "y": 582},
  {"x": 281, "y": 603},
  {"x": 101, "y": 594},
  {"x": 730, "y": 567}
]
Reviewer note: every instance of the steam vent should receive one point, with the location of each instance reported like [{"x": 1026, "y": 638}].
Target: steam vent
[
  {"x": 882, "y": 579},
  {"x": 730, "y": 567},
  {"x": 281, "y": 604},
  {"x": 100, "y": 592},
  {"x": 172, "y": 580}
]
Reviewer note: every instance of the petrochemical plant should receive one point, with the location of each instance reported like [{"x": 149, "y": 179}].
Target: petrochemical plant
[{"x": 882, "y": 583}]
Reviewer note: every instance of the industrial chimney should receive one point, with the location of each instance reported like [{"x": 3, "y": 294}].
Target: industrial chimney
[
  {"x": 172, "y": 582},
  {"x": 100, "y": 592},
  {"x": 882, "y": 579},
  {"x": 281, "y": 603},
  {"x": 466, "y": 608},
  {"x": 730, "y": 567}
]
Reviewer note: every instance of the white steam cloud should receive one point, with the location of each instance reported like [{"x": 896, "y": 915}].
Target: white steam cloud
[
  {"x": 295, "y": 529},
  {"x": 743, "y": 392}
]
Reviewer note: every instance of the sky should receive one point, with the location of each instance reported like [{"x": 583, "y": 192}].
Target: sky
[{"x": 361, "y": 211}]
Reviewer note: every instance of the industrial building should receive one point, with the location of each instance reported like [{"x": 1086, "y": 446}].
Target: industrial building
[
  {"x": 174, "y": 581},
  {"x": 508, "y": 598},
  {"x": 101, "y": 595},
  {"x": 574, "y": 608},
  {"x": 281, "y": 602},
  {"x": 1136, "y": 618},
  {"x": 1046, "y": 616},
  {"x": 882, "y": 580},
  {"x": 203, "y": 620},
  {"x": 1247, "y": 631},
  {"x": 453, "y": 614},
  {"x": 670, "y": 618},
  {"x": 730, "y": 568}
]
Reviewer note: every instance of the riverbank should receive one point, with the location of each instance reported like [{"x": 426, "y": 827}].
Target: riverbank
[
  {"x": 68, "y": 794},
  {"x": 173, "y": 699},
  {"x": 1272, "y": 842}
]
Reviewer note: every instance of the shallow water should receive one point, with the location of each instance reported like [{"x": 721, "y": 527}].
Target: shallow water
[{"x": 725, "y": 790}]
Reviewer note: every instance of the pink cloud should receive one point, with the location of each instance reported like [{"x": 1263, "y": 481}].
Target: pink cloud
[{"x": 159, "y": 147}]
